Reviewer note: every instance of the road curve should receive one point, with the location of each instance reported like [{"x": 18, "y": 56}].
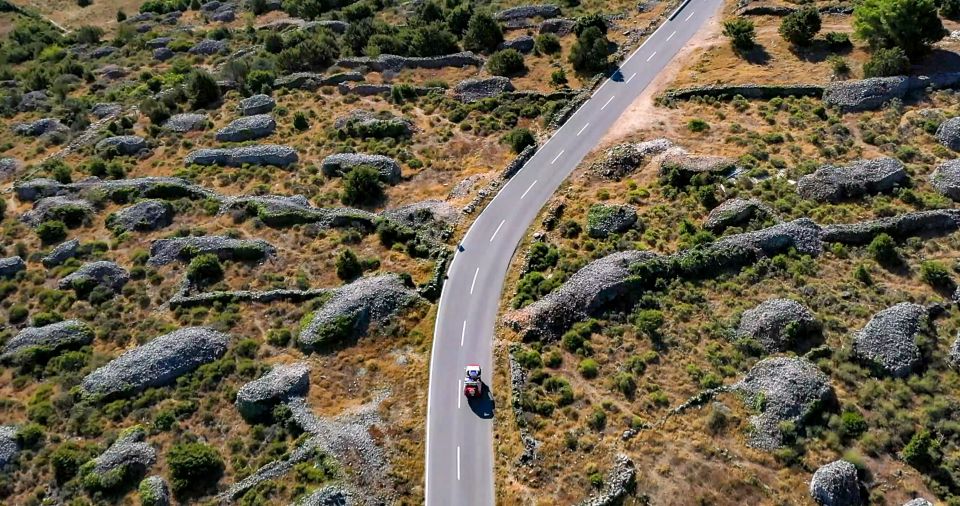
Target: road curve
[{"x": 459, "y": 446}]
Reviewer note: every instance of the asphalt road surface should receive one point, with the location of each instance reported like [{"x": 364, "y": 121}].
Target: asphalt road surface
[{"x": 459, "y": 453}]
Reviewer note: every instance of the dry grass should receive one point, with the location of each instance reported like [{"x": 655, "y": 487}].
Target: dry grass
[{"x": 67, "y": 13}]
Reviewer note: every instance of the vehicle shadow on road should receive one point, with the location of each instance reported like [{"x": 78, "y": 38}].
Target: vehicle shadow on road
[{"x": 484, "y": 405}]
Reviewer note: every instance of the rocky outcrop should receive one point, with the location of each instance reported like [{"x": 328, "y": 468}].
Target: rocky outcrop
[
  {"x": 949, "y": 133},
  {"x": 104, "y": 109},
  {"x": 603, "y": 220},
  {"x": 40, "y": 127},
  {"x": 474, "y": 89},
  {"x": 585, "y": 294},
  {"x": 158, "y": 42},
  {"x": 157, "y": 363},
  {"x": 154, "y": 492},
  {"x": 69, "y": 210},
  {"x": 330, "y": 495},
  {"x": 257, "y": 104},
  {"x": 836, "y": 484},
  {"x": 10, "y": 266},
  {"x": 523, "y": 44},
  {"x": 63, "y": 252},
  {"x": 946, "y": 179},
  {"x": 396, "y": 63},
  {"x": 353, "y": 308},
  {"x": 142, "y": 216},
  {"x": 9, "y": 166},
  {"x": 9, "y": 447},
  {"x": 262, "y": 154},
  {"x": 902, "y": 226},
  {"x": 559, "y": 26},
  {"x": 165, "y": 251},
  {"x": 736, "y": 212},
  {"x": 528, "y": 11},
  {"x": 888, "y": 341},
  {"x": 859, "y": 178},
  {"x": 143, "y": 187},
  {"x": 866, "y": 94},
  {"x": 129, "y": 457},
  {"x": 776, "y": 324},
  {"x": 312, "y": 81},
  {"x": 163, "y": 53},
  {"x": 755, "y": 91},
  {"x": 339, "y": 164},
  {"x": 101, "y": 273},
  {"x": 624, "y": 159},
  {"x": 257, "y": 398},
  {"x": 112, "y": 72},
  {"x": 361, "y": 123},
  {"x": 619, "y": 482},
  {"x": 285, "y": 211},
  {"x": 209, "y": 47},
  {"x": 782, "y": 389},
  {"x": 685, "y": 165},
  {"x": 123, "y": 144},
  {"x": 248, "y": 128},
  {"x": 46, "y": 340},
  {"x": 208, "y": 299},
  {"x": 186, "y": 122},
  {"x": 919, "y": 501},
  {"x": 953, "y": 357}
]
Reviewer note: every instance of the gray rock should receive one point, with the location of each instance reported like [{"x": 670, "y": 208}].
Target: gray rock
[
  {"x": 260, "y": 154},
  {"x": 776, "y": 323},
  {"x": 949, "y": 133},
  {"x": 123, "y": 144},
  {"x": 337, "y": 165},
  {"x": 40, "y": 127},
  {"x": 953, "y": 357},
  {"x": 112, "y": 72},
  {"x": 784, "y": 390},
  {"x": 888, "y": 341},
  {"x": 100, "y": 273},
  {"x": 154, "y": 492},
  {"x": 66, "y": 209},
  {"x": 258, "y": 397},
  {"x": 157, "y": 363},
  {"x": 836, "y": 484},
  {"x": 48, "y": 339},
  {"x": 859, "y": 178},
  {"x": 257, "y": 104},
  {"x": 735, "y": 212},
  {"x": 209, "y": 47},
  {"x": 353, "y": 308},
  {"x": 33, "y": 100},
  {"x": 902, "y": 226},
  {"x": 170, "y": 188},
  {"x": 618, "y": 483},
  {"x": 603, "y": 220},
  {"x": 334, "y": 25},
  {"x": 585, "y": 294},
  {"x": 225, "y": 16},
  {"x": 866, "y": 94},
  {"x": 165, "y": 251},
  {"x": 474, "y": 89},
  {"x": 523, "y": 44},
  {"x": 248, "y": 128},
  {"x": 946, "y": 179},
  {"x": 528, "y": 11},
  {"x": 299, "y": 80},
  {"x": 559, "y": 26},
  {"x": 919, "y": 501},
  {"x": 330, "y": 495},
  {"x": 10, "y": 266},
  {"x": 142, "y": 216},
  {"x": 163, "y": 54},
  {"x": 211, "y": 6},
  {"x": 159, "y": 42},
  {"x": 104, "y": 109},
  {"x": 128, "y": 456},
  {"x": 9, "y": 166},
  {"x": 397, "y": 63},
  {"x": 688, "y": 165},
  {"x": 63, "y": 252},
  {"x": 284, "y": 211},
  {"x": 9, "y": 447},
  {"x": 186, "y": 122}
]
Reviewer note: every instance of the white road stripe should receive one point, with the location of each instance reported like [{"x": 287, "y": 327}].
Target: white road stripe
[
  {"x": 459, "y": 392},
  {"x": 556, "y": 157},
  {"x": 528, "y": 189},
  {"x": 463, "y": 332},
  {"x": 631, "y": 78},
  {"x": 497, "y": 231},
  {"x": 608, "y": 103},
  {"x": 584, "y": 127},
  {"x": 458, "y": 463},
  {"x": 671, "y": 35},
  {"x": 474, "y": 280},
  {"x": 690, "y": 16},
  {"x": 651, "y": 56}
]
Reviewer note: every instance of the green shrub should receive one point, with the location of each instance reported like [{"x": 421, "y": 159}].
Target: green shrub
[
  {"x": 193, "y": 467},
  {"x": 348, "y": 267},
  {"x": 205, "y": 269},
  {"x": 52, "y": 231},
  {"x": 593, "y": 20},
  {"x": 507, "y": 62},
  {"x": 529, "y": 359},
  {"x": 801, "y": 26},
  {"x": 597, "y": 420},
  {"x": 741, "y": 33},
  {"x": 698, "y": 125},
  {"x": 935, "y": 274},
  {"x": 838, "y": 41},
  {"x": 649, "y": 321},
  {"x": 590, "y": 53},
  {"x": 202, "y": 89},
  {"x": 547, "y": 43},
  {"x": 625, "y": 383},
  {"x": 30, "y": 435},
  {"x": 300, "y": 121},
  {"x": 558, "y": 77},
  {"x": 922, "y": 451},
  {"x": 950, "y": 9},
  {"x": 887, "y": 62},
  {"x": 884, "y": 250},
  {"x": 588, "y": 368},
  {"x": 862, "y": 274},
  {"x": 17, "y": 313},
  {"x": 67, "y": 458},
  {"x": 279, "y": 337},
  {"x": 911, "y": 25},
  {"x": 361, "y": 185},
  {"x": 519, "y": 139},
  {"x": 483, "y": 33},
  {"x": 852, "y": 424}
]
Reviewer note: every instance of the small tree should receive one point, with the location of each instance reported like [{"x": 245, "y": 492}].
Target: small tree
[
  {"x": 548, "y": 43},
  {"x": 202, "y": 89},
  {"x": 884, "y": 250},
  {"x": 583, "y": 22},
  {"x": 741, "y": 33},
  {"x": 348, "y": 266},
  {"x": 912, "y": 25},
  {"x": 887, "y": 62},
  {"x": 51, "y": 231},
  {"x": 519, "y": 138},
  {"x": 506, "y": 63},
  {"x": 205, "y": 269},
  {"x": 300, "y": 121},
  {"x": 88, "y": 34},
  {"x": 558, "y": 77},
  {"x": 121, "y": 16},
  {"x": 84, "y": 3},
  {"x": 361, "y": 185},
  {"x": 483, "y": 33},
  {"x": 193, "y": 467},
  {"x": 950, "y": 9},
  {"x": 801, "y": 26},
  {"x": 590, "y": 52},
  {"x": 273, "y": 43}
]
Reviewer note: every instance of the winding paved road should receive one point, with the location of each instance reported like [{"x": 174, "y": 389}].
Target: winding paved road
[{"x": 459, "y": 447}]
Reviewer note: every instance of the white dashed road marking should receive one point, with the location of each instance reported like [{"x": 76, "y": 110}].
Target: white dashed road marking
[
  {"x": 608, "y": 103},
  {"x": 474, "y": 280},
  {"x": 671, "y": 35},
  {"x": 690, "y": 16},
  {"x": 458, "y": 463},
  {"x": 631, "y": 78},
  {"x": 463, "y": 332},
  {"x": 556, "y": 157},
  {"x": 459, "y": 392},
  {"x": 651, "y": 56},
  {"x": 497, "y": 231},
  {"x": 528, "y": 189},
  {"x": 582, "y": 129}
]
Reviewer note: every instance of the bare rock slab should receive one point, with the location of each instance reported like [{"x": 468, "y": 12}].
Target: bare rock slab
[
  {"x": 165, "y": 251},
  {"x": 248, "y": 128},
  {"x": 836, "y": 484},
  {"x": 338, "y": 164},
  {"x": 862, "y": 177},
  {"x": 776, "y": 324},
  {"x": 10, "y": 266},
  {"x": 888, "y": 341},
  {"x": 142, "y": 216},
  {"x": 865, "y": 94},
  {"x": 100, "y": 273},
  {"x": 261, "y": 154},
  {"x": 258, "y": 397},
  {"x": 736, "y": 212},
  {"x": 46, "y": 340}
]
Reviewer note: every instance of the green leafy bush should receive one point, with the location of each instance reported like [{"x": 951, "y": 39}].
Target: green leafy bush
[
  {"x": 483, "y": 33},
  {"x": 519, "y": 138},
  {"x": 887, "y": 62},
  {"x": 590, "y": 53},
  {"x": 588, "y": 368},
  {"x": 741, "y": 32},
  {"x": 801, "y": 26},
  {"x": 884, "y": 250},
  {"x": 205, "y": 269},
  {"x": 194, "y": 467},
  {"x": 202, "y": 89},
  {"x": 507, "y": 62},
  {"x": 348, "y": 266},
  {"x": 911, "y": 25},
  {"x": 547, "y": 43},
  {"x": 935, "y": 274},
  {"x": 51, "y": 231},
  {"x": 361, "y": 186}
]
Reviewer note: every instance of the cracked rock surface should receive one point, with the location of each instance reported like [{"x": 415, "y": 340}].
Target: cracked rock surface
[
  {"x": 124, "y": 144},
  {"x": 946, "y": 179},
  {"x": 9, "y": 448},
  {"x": 10, "y": 266},
  {"x": 948, "y": 133},
  {"x": 260, "y": 154},
  {"x": 142, "y": 216},
  {"x": 248, "y": 128},
  {"x": 865, "y": 94},
  {"x": 257, "y": 104}
]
